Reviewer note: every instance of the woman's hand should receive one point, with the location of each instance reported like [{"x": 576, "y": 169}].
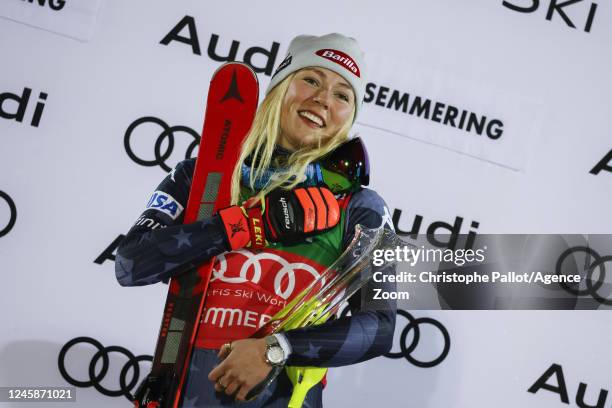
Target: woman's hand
[
  {"x": 287, "y": 216},
  {"x": 243, "y": 367}
]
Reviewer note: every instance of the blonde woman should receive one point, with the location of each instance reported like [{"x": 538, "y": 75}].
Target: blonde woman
[{"x": 310, "y": 106}]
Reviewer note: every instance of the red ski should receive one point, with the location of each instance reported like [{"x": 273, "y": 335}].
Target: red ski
[{"x": 230, "y": 109}]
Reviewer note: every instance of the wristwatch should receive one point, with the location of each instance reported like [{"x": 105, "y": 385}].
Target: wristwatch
[{"x": 275, "y": 355}]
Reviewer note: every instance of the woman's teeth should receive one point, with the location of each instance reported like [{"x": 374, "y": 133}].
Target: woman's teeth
[{"x": 312, "y": 117}]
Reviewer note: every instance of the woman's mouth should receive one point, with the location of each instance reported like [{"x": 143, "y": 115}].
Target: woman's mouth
[{"x": 312, "y": 119}]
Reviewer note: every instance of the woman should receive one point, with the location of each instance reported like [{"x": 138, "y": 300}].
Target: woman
[{"x": 310, "y": 105}]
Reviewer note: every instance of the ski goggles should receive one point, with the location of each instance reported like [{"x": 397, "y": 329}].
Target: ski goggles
[
  {"x": 344, "y": 169},
  {"x": 347, "y": 167}
]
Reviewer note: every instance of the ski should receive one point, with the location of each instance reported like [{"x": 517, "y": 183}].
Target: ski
[{"x": 230, "y": 109}]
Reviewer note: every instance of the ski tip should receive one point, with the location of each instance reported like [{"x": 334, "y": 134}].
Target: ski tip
[{"x": 236, "y": 65}]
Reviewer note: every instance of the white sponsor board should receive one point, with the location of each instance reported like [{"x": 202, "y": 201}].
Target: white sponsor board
[
  {"x": 75, "y": 188},
  {"x": 72, "y": 18}
]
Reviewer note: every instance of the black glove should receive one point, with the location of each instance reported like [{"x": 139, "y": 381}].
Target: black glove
[{"x": 287, "y": 216}]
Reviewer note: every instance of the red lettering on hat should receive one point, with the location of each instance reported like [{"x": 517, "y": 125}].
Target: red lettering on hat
[{"x": 340, "y": 58}]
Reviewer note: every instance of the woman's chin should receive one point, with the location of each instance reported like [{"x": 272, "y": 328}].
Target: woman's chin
[{"x": 300, "y": 142}]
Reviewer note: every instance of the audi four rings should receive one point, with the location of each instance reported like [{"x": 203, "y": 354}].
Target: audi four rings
[
  {"x": 167, "y": 132},
  {"x": 13, "y": 216},
  {"x": 407, "y": 350},
  {"x": 252, "y": 266},
  {"x": 95, "y": 379},
  {"x": 592, "y": 286}
]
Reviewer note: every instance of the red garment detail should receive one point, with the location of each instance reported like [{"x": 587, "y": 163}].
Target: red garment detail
[
  {"x": 256, "y": 228},
  {"x": 236, "y": 226},
  {"x": 247, "y": 288}
]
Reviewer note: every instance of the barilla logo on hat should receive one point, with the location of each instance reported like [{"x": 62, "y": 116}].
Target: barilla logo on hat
[{"x": 340, "y": 58}]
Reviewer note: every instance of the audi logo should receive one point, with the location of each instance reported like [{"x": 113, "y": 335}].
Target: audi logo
[
  {"x": 95, "y": 379},
  {"x": 593, "y": 286},
  {"x": 160, "y": 156},
  {"x": 253, "y": 266},
  {"x": 12, "y": 217},
  {"x": 406, "y": 350}
]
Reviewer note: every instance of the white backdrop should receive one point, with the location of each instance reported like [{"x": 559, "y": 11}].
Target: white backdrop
[{"x": 102, "y": 66}]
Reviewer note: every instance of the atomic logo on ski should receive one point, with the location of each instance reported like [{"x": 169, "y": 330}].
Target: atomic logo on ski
[{"x": 233, "y": 92}]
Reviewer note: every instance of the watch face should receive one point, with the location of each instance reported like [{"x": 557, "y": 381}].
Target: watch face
[{"x": 275, "y": 355}]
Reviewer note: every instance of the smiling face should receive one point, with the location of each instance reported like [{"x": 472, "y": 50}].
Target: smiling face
[{"x": 317, "y": 104}]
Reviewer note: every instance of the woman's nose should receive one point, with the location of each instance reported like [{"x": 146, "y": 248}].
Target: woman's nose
[{"x": 322, "y": 97}]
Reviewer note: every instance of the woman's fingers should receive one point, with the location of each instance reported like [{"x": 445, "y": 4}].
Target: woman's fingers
[
  {"x": 232, "y": 388},
  {"x": 229, "y": 383},
  {"x": 217, "y": 372},
  {"x": 242, "y": 393},
  {"x": 226, "y": 380},
  {"x": 242, "y": 367},
  {"x": 224, "y": 351},
  {"x": 219, "y": 387}
]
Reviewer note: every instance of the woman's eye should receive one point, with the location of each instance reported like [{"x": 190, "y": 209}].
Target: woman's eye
[
  {"x": 311, "y": 81},
  {"x": 344, "y": 97}
]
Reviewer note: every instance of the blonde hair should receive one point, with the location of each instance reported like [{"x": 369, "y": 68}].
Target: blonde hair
[{"x": 263, "y": 136}]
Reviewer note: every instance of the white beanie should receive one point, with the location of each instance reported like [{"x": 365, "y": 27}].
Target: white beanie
[{"x": 335, "y": 52}]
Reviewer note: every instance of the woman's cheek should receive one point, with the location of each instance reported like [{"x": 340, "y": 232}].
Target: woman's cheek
[
  {"x": 346, "y": 113},
  {"x": 301, "y": 90}
]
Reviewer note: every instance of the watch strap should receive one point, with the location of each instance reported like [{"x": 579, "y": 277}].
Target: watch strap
[{"x": 255, "y": 391}]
